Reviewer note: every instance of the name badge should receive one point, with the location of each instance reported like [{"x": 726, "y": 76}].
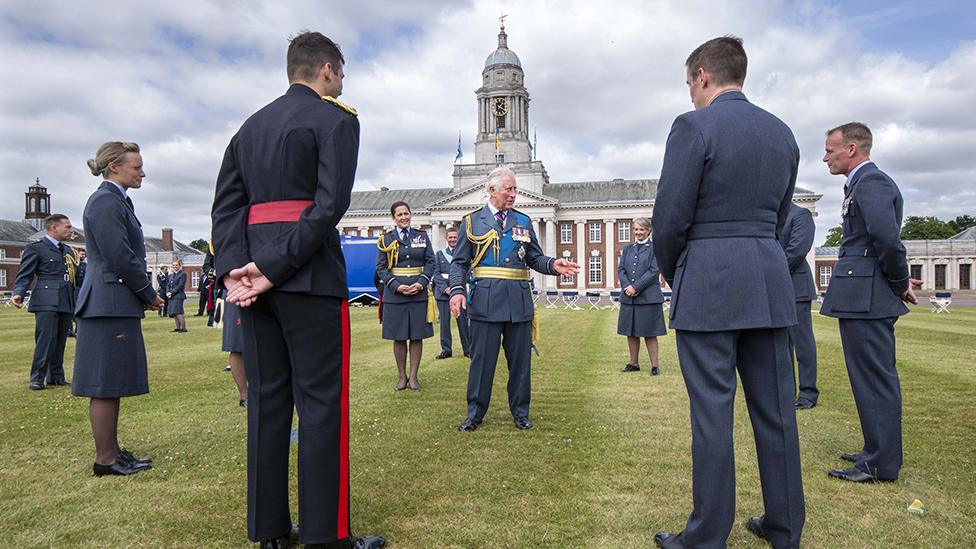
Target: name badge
[
  {"x": 521, "y": 234},
  {"x": 418, "y": 242}
]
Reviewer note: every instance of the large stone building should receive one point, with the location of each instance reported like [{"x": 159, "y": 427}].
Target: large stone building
[{"x": 588, "y": 222}]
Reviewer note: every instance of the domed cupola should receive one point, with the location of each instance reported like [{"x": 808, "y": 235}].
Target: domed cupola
[{"x": 503, "y": 55}]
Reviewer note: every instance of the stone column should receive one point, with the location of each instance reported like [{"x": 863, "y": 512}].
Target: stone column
[
  {"x": 610, "y": 261},
  {"x": 550, "y": 239},
  {"x": 436, "y": 240},
  {"x": 363, "y": 231},
  {"x": 581, "y": 255}
]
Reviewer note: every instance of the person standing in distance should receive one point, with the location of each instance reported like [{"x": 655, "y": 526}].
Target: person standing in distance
[
  {"x": 796, "y": 238},
  {"x": 52, "y": 299},
  {"x": 176, "y": 294},
  {"x": 442, "y": 293},
  {"x": 497, "y": 247},
  {"x": 641, "y": 301},
  {"x": 726, "y": 187},
  {"x": 110, "y": 357},
  {"x": 868, "y": 290},
  {"x": 162, "y": 284},
  {"x": 285, "y": 182}
]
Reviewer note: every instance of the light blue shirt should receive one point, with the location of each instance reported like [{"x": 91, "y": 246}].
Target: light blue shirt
[
  {"x": 854, "y": 171},
  {"x": 53, "y": 241},
  {"x": 494, "y": 211}
]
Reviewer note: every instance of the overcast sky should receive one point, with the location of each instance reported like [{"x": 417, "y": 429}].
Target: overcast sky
[{"x": 179, "y": 77}]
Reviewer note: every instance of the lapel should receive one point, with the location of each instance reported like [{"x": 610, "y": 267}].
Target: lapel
[
  {"x": 509, "y": 220},
  {"x": 487, "y": 218},
  {"x": 122, "y": 198},
  {"x": 857, "y": 177}
]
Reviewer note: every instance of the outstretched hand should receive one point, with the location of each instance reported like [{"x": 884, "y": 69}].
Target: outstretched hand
[
  {"x": 245, "y": 284},
  {"x": 458, "y": 302},
  {"x": 566, "y": 267}
]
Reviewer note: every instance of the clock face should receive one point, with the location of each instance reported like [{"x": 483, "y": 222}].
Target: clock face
[{"x": 500, "y": 106}]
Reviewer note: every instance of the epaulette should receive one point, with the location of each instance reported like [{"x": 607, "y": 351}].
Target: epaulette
[{"x": 340, "y": 104}]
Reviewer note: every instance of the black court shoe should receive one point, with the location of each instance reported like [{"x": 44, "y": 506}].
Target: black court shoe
[{"x": 631, "y": 368}]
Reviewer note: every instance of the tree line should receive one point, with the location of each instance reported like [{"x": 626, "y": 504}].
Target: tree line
[{"x": 918, "y": 227}]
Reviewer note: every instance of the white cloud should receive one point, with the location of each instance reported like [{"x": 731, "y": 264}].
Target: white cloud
[{"x": 180, "y": 78}]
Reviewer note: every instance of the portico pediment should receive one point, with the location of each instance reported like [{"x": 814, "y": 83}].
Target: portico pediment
[{"x": 475, "y": 196}]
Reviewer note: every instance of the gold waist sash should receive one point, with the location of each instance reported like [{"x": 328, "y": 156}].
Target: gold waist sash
[
  {"x": 504, "y": 273},
  {"x": 407, "y": 271}
]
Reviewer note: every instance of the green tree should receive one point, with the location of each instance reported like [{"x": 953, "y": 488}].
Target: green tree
[
  {"x": 200, "y": 244},
  {"x": 925, "y": 228},
  {"x": 833, "y": 237},
  {"x": 961, "y": 223}
]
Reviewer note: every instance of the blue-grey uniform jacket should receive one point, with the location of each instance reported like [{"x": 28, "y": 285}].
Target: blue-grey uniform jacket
[
  {"x": 53, "y": 292},
  {"x": 638, "y": 268},
  {"x": 722, "y": 198},
  {"x": 415, "y": 251},
  {"x": 116, "y": 283},
  {"x": 872, "y": 267},
  {"x": 494, "y": 299},
  {"x": 176, "y": 285},
  {"x": 797, "y": 239},
  {"x": 442, "y": 276}
]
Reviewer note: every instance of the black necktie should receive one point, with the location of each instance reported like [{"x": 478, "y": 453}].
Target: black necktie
[
  {"x": 128, "y": 201},
  {"x": 403, "y": 235},
  {"x": 61, "y": 248}
]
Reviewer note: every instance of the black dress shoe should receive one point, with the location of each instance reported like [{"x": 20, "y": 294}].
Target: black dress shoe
[
  {"x": 523, "y": 423},
  {"x": 804, "y": 404},
  {"x": 655, "y": 370},
  {"x": 243, "y": 403},
  {"x": 468, "y": 425},
  {"x": 415, "y": 387},
  {"x": 397, "y": 388},
  {"x": 631, "y": 368},
  {"x": 183, "y": 330},
  {"x": 755, "y": 527},
  {"x": 115, "y": 469},
  {"x": 58, "y": 383},
  {"x": 127, "y": 458},
  {"x": 667, "y": 540},
  {"x": 854, "y": 474},
  {"x": 283, "y": 542},
  {"x": 444, "y": 354},
  {"x": 35, "y": 386},
  {"x": 368, "y": 542},
  {"x": 850, "y": 456}
]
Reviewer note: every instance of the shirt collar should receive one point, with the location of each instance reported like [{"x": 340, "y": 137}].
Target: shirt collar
[
  {"x": 53, "y": 241},
  {"x": 119, "y": 187},
  {"x": 642, "y": 242},
  {"x": 850, "y": 176}
]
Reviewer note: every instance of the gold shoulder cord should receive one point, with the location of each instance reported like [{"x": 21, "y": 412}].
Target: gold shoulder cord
[
  {"x": 391, "y": 251},
  {"x": 340, "y": 104},
  {"x": 72, "y": 264},
  {"x": 482, "y": 242}
]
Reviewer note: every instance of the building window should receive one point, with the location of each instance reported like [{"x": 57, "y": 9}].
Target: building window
[
  {"x": 825, "y": 272},
  {"x": 940, "y": 277},
  {"x": 377, "y": 232},
  {"x": 3, "y": 253},
  {"x": 596, "y": 232},
  {"x": 965, "y": 273},
  {"x": 623, "y": 231},
  {"x": 916, "y": 271},
  {"x": 194, "y": 279},
  {"x": 500, "y": 158},
  {"x": 565, "y": 233},
  {"x": 3, "y": 278},
  {"x": 596, "y": 269}
]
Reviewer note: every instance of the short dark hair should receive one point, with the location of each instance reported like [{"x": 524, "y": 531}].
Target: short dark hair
[
  {"x": 855, "y": 132},
  {"x": 451, "y": 229},
  {"x": 308, "y": 52},
  {"x": 52, "y": 220},
  {"x": 397, "y": 204},
  {"x": 724, "y": 58}
]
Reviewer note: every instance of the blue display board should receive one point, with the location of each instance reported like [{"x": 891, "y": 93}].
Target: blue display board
[{"x": 360, "y": 253}]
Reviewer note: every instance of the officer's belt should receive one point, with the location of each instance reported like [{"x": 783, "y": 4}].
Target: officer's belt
[
  {"x": 281, "y": 211},
  {"x": 732, "y": 229},
  {"x": 504, "y": 273},
  {"x": 407, "y": 271},
  {"x": 856, "y": 251}
]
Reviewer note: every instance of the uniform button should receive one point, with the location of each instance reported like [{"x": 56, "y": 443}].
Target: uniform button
[
  {"x": 120, "y": 281},
  {"x": 507, "y": 260},
  {"x": 850, "y": 272}
]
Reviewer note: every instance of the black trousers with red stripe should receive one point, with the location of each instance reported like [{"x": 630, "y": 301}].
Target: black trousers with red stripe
[{"x": 296, "y": 355}]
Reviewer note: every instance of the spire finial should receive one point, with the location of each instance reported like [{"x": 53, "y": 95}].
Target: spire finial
[
  {"x": 502, "y": 37},
  {"x": 501, "y": 21}
]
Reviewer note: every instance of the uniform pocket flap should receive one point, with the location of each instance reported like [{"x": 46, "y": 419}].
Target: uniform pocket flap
[
  {"x": 856, "y": 267},
  {"x": 110, "y": 278}
]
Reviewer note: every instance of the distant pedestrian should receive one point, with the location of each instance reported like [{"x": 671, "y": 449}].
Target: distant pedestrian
[
  {"x": 641, "y": 301},
  {"x": 176, "y": 292}
]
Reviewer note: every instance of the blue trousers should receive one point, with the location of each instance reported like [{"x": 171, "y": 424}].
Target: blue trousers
[
  {"x": 50, "y": 335},
  {"x": 869, "y": 351},
  {"x": 804, "y": 349},
  {"x": 516, "y": 338},
  {"x": 447, "y": 339},
  {"x": 709, "y": 361}
]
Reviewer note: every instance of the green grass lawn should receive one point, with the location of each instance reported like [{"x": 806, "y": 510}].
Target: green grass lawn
[{"x": 607, "y": 464}]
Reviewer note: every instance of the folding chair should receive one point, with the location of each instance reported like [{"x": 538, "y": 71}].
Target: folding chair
[
  {"x": 5, "y": 298},
  {"x": 614, "y": 301},
  {"x": 535, "y": 296},
  {"x": 570, "y": 299},
  {"x": 594, "y": 299},
  {"x": 667, "y": 300},
  {"x": 940, "y": 302},
  {"x": 552, "y": 297}
]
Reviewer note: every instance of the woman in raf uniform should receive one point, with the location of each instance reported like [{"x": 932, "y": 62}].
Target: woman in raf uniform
[
  {"x": 405, "y": 265},
  {"x": 641, "y": 301},
  {"x": 175, "y": 291},
  {"x": 110, "y": 357}
]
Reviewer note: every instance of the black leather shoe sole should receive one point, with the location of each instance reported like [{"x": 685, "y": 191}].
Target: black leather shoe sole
[
  {"x": 442, "y": 356},
  {"x": 754, "y": 527},
  {"x": 850, "y": 456},
  {"x": 667, "y": 540},
  {"x": 36, "y": 386},
  {"x": 856, "y": 475},
  {"x": 115, "y": 469},
  {"x": 804, "y": 404}
]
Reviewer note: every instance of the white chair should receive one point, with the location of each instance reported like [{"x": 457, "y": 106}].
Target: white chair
[
  {"x": 594, "y": 299},
  {"x": 552, "y": 297},
  {"x": 535, "y": 295},
  {"x": 667, "y": 300},
  {"x": 614, "y": 301},
  {"x": 570, "y": 299},
  {"x": 940, "y": 302}
]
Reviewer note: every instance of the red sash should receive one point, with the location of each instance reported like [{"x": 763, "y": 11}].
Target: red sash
[{"x": 281, "y": 211}]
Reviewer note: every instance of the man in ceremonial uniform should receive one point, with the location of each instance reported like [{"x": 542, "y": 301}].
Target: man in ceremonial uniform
[
  {"x": 797, "y": 239},
  {"x": 442, "y": 293},
  {"x": 52, "y": 299},
  {"x": 285, "y": 182},
  {"x": 726, "y": 187},
  {"x": 868, "y": 291},
  {"x": 496, "y": 248}
]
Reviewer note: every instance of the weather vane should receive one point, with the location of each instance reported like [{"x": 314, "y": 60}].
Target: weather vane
[{"x": 502, "y": 20}]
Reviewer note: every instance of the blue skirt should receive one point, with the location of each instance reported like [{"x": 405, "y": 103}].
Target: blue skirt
[
  {"x": 175, "y": 306},
  {"x": 110, "y": 358},
  {"x": 641, "y": 320},
  {"x": 233, "y": 337},
  {"x": 402, "y": 321}
]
